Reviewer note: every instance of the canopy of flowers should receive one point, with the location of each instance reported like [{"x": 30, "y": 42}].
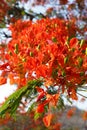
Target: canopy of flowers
[{"x": 43, "y": 52}]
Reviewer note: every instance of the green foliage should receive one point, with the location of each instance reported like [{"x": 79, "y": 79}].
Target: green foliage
[
  {"x": 11, "y": 104},
  {"x": 66, "y": 59},
  {"x": 2, "y": 25},
  {"x": 60, "y": 104},
  {"x": 82, "y": 42},
  {"x": 80, "y": 61},
  {"x": 37, "y": 115}
]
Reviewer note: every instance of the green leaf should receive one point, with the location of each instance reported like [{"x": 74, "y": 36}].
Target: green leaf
[
  {"x": 66, "y": 59},
  {"x": 11, "y": 104},
  {"x": 60, "y": 103},
  {"x": 54, "y": 39},
  {"x": 82, "y": 42},
  {"x": 33, "y": 105},
  {"x": 80, "y": 61},
  {"x": 63, "y": 73},
  {"x": 82, "y": 73},
  {"x": 54, "y": 73},
  {"x": 68, "y": 99},
  {"x": 38, "y": 47},
  {"x": 2, "y": 25},
  {"x": 16, "y": 49},
  {"x": 23, "y": 12},
  {"x": 31, "y": 54},
  {"x": 46, "y": 107},
  {"x": 37, "y": 115}
]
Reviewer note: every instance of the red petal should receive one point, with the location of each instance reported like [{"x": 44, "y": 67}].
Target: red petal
[
  {"x": 40, "y": 108},
  {"x": 41, "y": 95},
  {"x": 73, "y": 43},
  {"x": 2, "y": 80},
  {"x": 3, "y": 66},
  {"x": 47, "y": 119}
]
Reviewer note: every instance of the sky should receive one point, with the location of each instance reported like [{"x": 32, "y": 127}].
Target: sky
[
  {"x": 80, "y": 103},
  {"x": 6, "y": 90}
]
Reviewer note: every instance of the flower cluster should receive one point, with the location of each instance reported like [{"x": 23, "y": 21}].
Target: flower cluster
[{"x": 46, "y": 49}]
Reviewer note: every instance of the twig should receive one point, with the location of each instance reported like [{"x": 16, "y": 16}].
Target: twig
[{"x": 81, "y": 95}]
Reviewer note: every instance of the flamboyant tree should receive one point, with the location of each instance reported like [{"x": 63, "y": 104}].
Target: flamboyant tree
[{"x": 45, "y": 58}]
